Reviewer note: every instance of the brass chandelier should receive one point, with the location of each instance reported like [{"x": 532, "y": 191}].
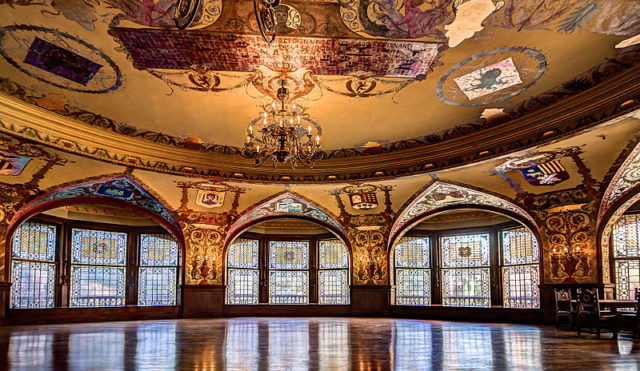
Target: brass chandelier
[{"x": 283, "y": 133}]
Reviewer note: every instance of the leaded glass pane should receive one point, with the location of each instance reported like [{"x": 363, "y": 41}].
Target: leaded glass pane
[
  {"x": 32, "y": 284},
  {"x": 519, "y": 246},
  {"x": 289, "y": 255},
  {"x": 34, "y": 241},
  {"x": 98, "y": 247},
  {"x": 412, "y": 252},
  {"x": 520, "y": 285},
  {"x": 627, "y": 278},
  {"x": 465, "y": 251},
  {"x": 413, "y": 286},
  {"x": 626, "y": 237},
  {"x": 288, "y": 287},
  {"x": 466, "y": 287},
  {"x": 242, "y": 286},
  {"x": 334, "y": 287},
  {"x": 157, "y": 286},
  {"x": 243, "y": 253},
  {"x": 333, "y": 254},
  {"x": 158, "y": 250},
  {"x": 97, "y": 286}
]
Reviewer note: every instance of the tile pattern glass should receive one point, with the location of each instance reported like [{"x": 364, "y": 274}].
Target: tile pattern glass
[
  {"x": 413, "y": 286},
  {"x": 468, "y": 287},
  {"x": 287, "y": 255},
  {"x": 520, "y": 274},
  {"x": 412, "y": 252},
  {"x": 158, "y": 250},
  {"x": 333, "y": 254},
  {"x": 157, "y": 276},
  {"x": 97, "y": 286},
  {"x": 243, "y": 253},
  {"x": 288, "y": 287},
  {"x": 33, "y": 269},
  {"x": 34, "y": 241},
  {"x": 626, "y": 254},
  {"x": 32, "y": 284},
  {"x": 465, "y": 251},
  {"x": 333, "y": 287},
  {"x": 98, "y": 247},
  {"x": 463, "y": 284},
  {"x": 242, "y": 286},
  {"x": 98, "y": 268}
]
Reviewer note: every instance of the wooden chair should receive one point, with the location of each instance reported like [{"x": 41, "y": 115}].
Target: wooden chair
[
  {"x": 630, "y": 321},
  {"x": 589, "y": 315},
  {"x": 564, "y": 308}
]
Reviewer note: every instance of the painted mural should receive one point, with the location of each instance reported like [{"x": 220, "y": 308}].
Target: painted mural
[{"x": 492, "y": 76}]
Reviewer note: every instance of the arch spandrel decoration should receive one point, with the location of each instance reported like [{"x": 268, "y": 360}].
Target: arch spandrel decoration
[
  {"x": 117, "y": 190},
  {"x": 287, "y": 204},
  {"x": 616, "y": 200},
  {"x": 440, "y": 195}
]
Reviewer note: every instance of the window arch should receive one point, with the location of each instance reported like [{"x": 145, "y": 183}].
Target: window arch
[
  {"x": 280, "y": 269},
  {"x": 100, "y": 261},
  {"x": 466, "y": 265}
]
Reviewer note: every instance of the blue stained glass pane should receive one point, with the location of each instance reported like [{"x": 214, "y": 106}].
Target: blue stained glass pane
[
  {"x": 466, "y": 287},
  {"x": 289, "y": 287},
  {"x": 32, "y": 284},
  {"x": 243, "y": 253},
  {"x": 333, "y": 254},
  {"x": 98, "y": 247},
  {"x": 158, "y": 250},
  {"x": 520, "y": 285},
  {"x": 34, "y": 241},
  {"x": 157, "y": 286},
  {"x": 519, "y": 246},
  {"x": 412, "y": 252},
  {"x": 97, "y": 286},
  {"x": 333, "y": 287},
  {"x": 242, "y": 286},
  {"x": 626, "y": 237},
  {"x": 289, "y": 255}
]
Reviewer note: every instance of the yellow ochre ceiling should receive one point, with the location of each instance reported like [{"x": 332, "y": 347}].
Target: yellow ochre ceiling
[{"x": 381, "y": 77}]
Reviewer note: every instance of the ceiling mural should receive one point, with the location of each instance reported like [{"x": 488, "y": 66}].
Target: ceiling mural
[{"x": 375, "y": 77}]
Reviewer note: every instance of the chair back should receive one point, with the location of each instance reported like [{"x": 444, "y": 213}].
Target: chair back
[
  {"x": 563, "y": 300},
  {"x": 588, "y": 302}
]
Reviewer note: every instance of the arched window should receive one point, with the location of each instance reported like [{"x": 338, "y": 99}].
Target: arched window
[
  {"x": 467, "y": 264},
  {"x": 626, "y": 255},
  {"x": 100, "y": 260},
  {"x": 284, "y": 270}
]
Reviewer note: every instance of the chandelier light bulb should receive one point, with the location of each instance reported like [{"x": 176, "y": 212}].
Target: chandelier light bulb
[{"x": 309, "y": 129}]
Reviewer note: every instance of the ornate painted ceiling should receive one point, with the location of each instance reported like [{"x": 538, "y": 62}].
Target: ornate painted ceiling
[{"x": 398, "y": 86}]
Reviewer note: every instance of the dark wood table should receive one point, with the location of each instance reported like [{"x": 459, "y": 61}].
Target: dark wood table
[{"x": 614, "y": 305}]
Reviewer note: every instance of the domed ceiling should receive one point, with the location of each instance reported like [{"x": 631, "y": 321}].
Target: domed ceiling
[{"x": 397, "y": 86}]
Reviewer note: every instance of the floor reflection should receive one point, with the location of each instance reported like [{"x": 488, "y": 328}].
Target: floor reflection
[{"x": 307, "y": 343}]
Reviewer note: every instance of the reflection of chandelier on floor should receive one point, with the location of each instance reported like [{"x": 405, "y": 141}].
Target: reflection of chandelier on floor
[{"x": 284, "y": 133}]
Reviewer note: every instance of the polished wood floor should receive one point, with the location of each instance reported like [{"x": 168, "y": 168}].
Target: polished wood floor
[{"x": 308, "y": 343}]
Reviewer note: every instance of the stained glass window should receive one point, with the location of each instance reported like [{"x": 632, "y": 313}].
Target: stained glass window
[
  {"x": 158, "y": 270},
  {"x": 626, "y": 254},
  {"x": 464, "y": 282},
  {"x": 413, "y": 273},
  {"x": 289, "y": 255},
  {"x": 33, "y": 269},
  {"x": 333, "y": 276},
  {"x": 289, "y": 287},
  {"x": 98, "y": 268},
  {"x": 520, "y": 274},
  {"x": 242, "y": 275},
  {"x": 289, "y": 284},
  {"x": 242, "y": 286}
]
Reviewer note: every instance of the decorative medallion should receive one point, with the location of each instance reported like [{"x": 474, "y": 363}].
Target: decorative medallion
[
  {"x": 545, "y": 174},
  {"x": 11, "y": 164},
  {"x": 288, "y": 206},
  {"x": 186, "y": 11},
  {"x": 363, "y": 201},
  {"x": 115, "y": 191},
  {"x": 492, "y": 76},
  {"x": 464, "y": 251},
  {"x": 288, "y": 19},
  {"x": 210, "y": 199},
  {"x": 59, "y": 59}
]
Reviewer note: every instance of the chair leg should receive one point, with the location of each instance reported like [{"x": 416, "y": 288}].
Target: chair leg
[{"x": 598, "y": 332}]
